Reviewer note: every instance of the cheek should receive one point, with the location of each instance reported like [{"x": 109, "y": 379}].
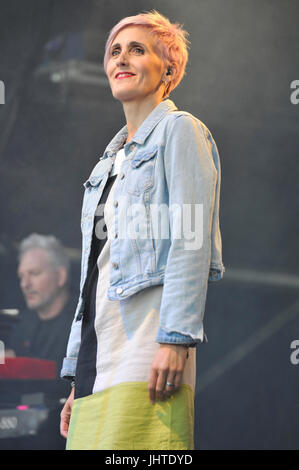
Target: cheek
[
  {"x": 47, "y": 284},
  {"x": 110, "y": 83},
  {"x": 149, "y": 75},
  {"x": 109, "y": 74},
  {"x": 153, "y": 71}
]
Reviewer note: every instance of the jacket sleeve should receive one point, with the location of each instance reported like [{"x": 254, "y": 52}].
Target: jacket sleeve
[
  {"x": 70, "y": 361},
  {"x": 191, "y": 178},
  {"x": 173, "y": 337}
]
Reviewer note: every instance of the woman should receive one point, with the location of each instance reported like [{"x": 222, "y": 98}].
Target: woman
[{"x": 131, "y": 354}]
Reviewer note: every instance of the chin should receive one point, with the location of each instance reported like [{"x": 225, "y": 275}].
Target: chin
[
  {"x": 32, "y": 305},
  {"x": 125, "y": 96}
]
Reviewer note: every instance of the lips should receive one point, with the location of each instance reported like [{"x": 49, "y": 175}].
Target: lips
[
  {"x": 120, "y": 75},
  {"x": 30, "y": 294}
]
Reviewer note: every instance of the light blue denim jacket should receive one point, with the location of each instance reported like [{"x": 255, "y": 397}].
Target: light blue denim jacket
[{"x": 171, "y": 162}]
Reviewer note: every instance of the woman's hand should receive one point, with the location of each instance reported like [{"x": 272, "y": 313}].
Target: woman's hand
[
  {"x": 168, "y": 367},
  {"x": 65, "y": 414}
]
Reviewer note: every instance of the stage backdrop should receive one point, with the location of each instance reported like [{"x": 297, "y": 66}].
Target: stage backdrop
[{"x": 59, "y": 115}]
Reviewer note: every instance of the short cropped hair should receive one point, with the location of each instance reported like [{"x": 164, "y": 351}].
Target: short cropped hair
[
  {"x": 51, "y": 245},
  {"x": 171, "y": 40}
]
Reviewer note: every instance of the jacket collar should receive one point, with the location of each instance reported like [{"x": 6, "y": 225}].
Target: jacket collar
[{"x": 144, "y": 129}]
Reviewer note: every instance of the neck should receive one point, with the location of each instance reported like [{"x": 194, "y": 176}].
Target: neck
[
  {"x": 54, "y": 308},
  {"x": 136, "y": 112}
]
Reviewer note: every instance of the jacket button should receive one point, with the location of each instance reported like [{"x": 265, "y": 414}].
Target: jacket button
[
  {"x": 115, "y": 235},
  {"x": 119, "y": 290},
  {"x": 115, "y": 265},
  {"x": 122, "y": 175},
  {"x": 115, "y": 203}
]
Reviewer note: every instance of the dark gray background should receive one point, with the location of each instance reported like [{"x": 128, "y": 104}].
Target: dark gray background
[{"x": 243, "y": 58}]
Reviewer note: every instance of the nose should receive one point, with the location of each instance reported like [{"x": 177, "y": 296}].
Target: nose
[
  {"x": 122, "y": 58},
  {"x": 25, "y": 282}
]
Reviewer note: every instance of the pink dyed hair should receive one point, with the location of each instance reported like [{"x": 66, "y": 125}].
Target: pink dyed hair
[{"x": 171, "y": 41}]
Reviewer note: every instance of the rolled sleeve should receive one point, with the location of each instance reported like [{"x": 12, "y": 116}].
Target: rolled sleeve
[
  {"x": 70, "y": 361},
  {"x": 68, "y": 367},
  {"x": 164, "y": 337}
]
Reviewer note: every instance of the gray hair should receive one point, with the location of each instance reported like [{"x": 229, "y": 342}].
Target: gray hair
[{"x": 53, "y": 247}]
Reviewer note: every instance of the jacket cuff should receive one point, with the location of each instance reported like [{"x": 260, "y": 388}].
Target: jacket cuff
[
  {"x": 68, "y": 367},
  {"x": 174, "y": 337}
]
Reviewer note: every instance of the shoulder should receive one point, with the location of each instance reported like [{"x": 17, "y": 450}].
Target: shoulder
[
  {"x": 185, "y": 122},
  {"x": 24, "y": 326},
  {"x": 27, "y": 318}
]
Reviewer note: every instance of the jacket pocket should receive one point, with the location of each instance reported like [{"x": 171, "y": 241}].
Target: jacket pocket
[{"x": 140, "y": 176}]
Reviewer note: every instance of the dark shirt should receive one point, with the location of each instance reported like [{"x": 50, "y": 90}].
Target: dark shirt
[
  {"x": 96, "y": 247},
  {"x": 86, "y": 364},
  {"x": 42, "y": 339}
]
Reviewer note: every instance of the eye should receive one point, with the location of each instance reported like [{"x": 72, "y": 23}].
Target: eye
[
  {"x": 139, "y": 50},
  {"x": 114, "y": 52},
  {"x": 35, "y": 273}
]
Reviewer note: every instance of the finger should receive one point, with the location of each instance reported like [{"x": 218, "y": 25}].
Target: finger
[
  {"x": 161, "y": 384},
  {"x": 64, "y": 427},
  {"x": 64, "y": 430},
  {"x": 169, "y": 389},
  {"x": 178, "y": 380},
  {"x": 152, "y": 385},
  {"x": 64, "y": 423}
]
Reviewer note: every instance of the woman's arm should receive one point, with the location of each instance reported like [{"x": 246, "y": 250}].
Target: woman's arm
[
  {"x": 191, "y": 178},
  {"x": 70, "y": 361}
]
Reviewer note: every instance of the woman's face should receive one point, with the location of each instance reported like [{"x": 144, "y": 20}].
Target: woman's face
[{"x": 134, "y": 68}]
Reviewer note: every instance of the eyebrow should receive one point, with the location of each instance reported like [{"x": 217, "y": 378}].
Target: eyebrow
[{"x": 132, "y": 43}]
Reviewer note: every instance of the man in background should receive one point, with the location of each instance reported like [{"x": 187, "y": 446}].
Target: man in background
[{"x": 44, "y": 273}]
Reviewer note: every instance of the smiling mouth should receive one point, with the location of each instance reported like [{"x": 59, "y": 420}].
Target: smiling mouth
[{"x": 120, "y": 75}]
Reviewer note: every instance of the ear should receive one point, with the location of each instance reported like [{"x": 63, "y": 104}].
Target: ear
[
  {"x": 62, "y": 276},
  {"x": 173, "y": 71},
  {"x": 167, "y": 74},
  {"x": 170, "y": 73}
]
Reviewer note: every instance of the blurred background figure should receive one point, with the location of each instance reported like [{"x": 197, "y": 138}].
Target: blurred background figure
[{"x": 44, "y": 275}]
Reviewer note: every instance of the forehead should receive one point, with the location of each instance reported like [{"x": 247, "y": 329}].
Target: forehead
[
  {"x": 137, "y": 34},
  {"x": 35, "y": 258}
]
